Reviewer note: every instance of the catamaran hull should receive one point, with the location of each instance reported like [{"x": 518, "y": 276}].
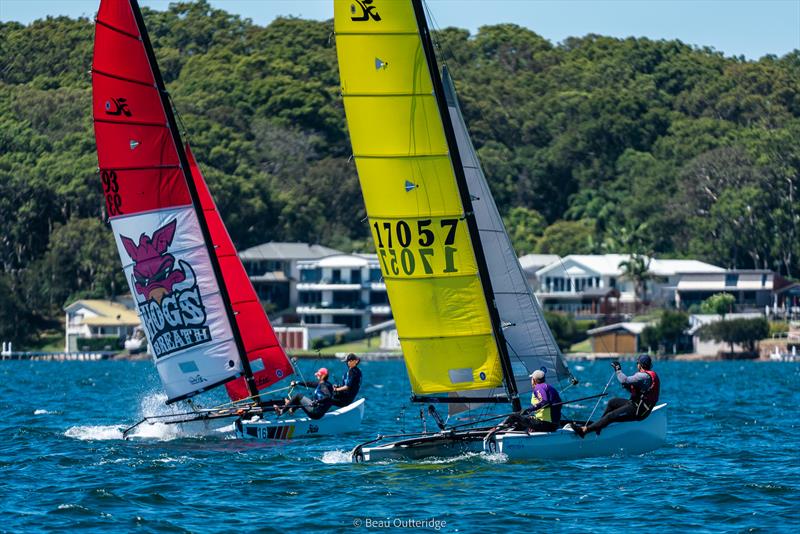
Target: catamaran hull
[
  {"x": 340, "y": 421},
  {"x": 621, "y": 438},
  {"x": 635, "y": 437}
]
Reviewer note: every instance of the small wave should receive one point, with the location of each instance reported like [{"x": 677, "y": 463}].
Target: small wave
[
  {"x": 336, "y": 457},
  {"x": 94, "y": 433},
  {"x": 45, "y": 412}
]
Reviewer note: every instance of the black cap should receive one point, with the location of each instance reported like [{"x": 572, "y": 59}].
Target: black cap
[
  {"x": 351, "y": 357},
  {"x": 645, "y": 361}
]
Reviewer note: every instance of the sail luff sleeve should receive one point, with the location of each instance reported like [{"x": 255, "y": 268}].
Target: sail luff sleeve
[
  {"x": 412, "y": 199},
  {"x": 531, "y": 344},
  {"x": 156, "y": 227}
]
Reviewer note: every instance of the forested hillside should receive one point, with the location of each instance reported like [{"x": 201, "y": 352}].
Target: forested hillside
[{"x": 593, "y": 145}]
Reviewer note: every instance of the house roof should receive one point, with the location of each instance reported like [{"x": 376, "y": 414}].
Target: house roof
[
  {"x": 672, "y": 267},
  {"x": 109, "y": 313},
  {"x": 287, "y": 251},
  {"x": 608, "y": 265},
  {"x": 633, "y": 328},
  {"x": 537, "y": 261}
]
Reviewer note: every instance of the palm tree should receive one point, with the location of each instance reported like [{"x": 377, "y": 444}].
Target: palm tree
[{"x": 637, "y": 269}]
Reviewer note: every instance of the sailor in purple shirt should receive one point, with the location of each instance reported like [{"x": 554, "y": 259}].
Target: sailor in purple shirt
[{"x": 545, "y": 404}]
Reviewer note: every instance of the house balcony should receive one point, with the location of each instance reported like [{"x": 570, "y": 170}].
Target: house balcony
[
  {"x": 333, "y": 308},
  {"x": 323, "y": 285}
]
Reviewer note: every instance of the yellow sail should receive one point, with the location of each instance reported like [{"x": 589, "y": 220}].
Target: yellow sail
[{"x": 412, "y": 198}]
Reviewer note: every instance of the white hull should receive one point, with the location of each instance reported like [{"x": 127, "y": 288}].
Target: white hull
[
  {"x": 634, "y": 437},
  {"x": 340, "y": 421}
]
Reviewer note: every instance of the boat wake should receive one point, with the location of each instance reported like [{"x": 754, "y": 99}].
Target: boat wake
[
  {"x": 336, "y": 457},
  {"x": 343, "y": 457},
  {"x": 151, "y": 405}
]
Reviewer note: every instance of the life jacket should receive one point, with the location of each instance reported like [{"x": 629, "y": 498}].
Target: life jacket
[{"x": 649, "y": 398}]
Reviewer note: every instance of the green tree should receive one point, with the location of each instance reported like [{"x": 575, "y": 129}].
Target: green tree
[
  {"x": 637, "y": 269},
  {"x": 525, "y": 226},
  {"x": 718, "y": 304},
  {"x": 745, "y": 332},
  {"x": 567, "y": 237}
]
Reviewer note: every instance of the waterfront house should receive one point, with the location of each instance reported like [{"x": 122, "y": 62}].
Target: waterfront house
[
  {"x": 272, "y": 268},
  {"x": 99, "y": 320},
  {"x": 595, "y": 284},
  {"x": 344, "y": 289}
]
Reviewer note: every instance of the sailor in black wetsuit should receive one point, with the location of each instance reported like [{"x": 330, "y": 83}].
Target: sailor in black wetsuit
[
  {"x": 319, "y": 403},
  {"x": 351, "y": 383}
]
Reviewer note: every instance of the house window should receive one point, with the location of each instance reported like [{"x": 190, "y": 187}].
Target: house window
[
  {"x": 764, "y": 280},
  {"x": 612, "y": 282},
  {"x": 375, "y": 275},
  {"x": 310, "y": 275},
  {"x": 336, "y": 276},
  {"x": 731, "y": 280},
  {"x": 310, "y": 297},
  {"x": 355, "y": 276}
]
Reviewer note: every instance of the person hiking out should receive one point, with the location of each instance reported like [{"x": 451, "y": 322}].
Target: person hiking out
[
  {"x": 644, "y": 387},
  {"x": 319, "y": 403}
]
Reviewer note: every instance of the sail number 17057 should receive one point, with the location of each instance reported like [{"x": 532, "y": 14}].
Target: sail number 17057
[{"x": 419, "y": 247}]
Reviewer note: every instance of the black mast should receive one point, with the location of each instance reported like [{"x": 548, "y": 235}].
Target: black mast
[
  {"x": 466, "y": 201},
  {"x": 187, "y": 173}
]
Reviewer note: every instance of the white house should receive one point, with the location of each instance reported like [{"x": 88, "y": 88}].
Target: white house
[
  {"x": 98, "y": 318},
  {"x": 585, "y": 284},
  {"x": 272, "y": 268},
  {"x": 345, "y": 289}
]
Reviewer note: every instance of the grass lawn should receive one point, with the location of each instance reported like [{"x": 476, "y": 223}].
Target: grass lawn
[
  {"x": 354, "y": 346},
  {"x": 49, "y": 341},
  {"x": 583, "y": 346}
]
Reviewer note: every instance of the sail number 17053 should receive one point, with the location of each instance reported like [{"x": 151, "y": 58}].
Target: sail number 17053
[{"x": 419, "y": 247}]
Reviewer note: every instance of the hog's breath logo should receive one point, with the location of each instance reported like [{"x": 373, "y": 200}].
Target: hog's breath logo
[{"x": 169, "y": 299}]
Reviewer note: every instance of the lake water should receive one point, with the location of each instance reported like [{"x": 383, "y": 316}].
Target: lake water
[{"x": 731, "y": 462}]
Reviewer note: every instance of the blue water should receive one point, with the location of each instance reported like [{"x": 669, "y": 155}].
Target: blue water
[{"x": 730, "y": 465}]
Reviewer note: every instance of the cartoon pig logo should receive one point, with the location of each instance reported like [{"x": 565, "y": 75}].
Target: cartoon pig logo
[{"x": 153, "y": 273}]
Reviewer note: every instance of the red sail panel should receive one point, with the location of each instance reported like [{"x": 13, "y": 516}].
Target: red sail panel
[{"x": 267, "y": 357}]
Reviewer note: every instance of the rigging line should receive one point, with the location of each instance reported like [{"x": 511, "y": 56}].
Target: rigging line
[
  {"x": 187, "y": 137},
  {"x": 596, "y": 404}
]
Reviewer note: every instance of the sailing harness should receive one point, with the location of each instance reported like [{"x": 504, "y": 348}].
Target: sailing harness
[{"x": 648, "y": 398}]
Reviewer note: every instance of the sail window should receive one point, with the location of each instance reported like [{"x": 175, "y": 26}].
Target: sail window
[
  {"x": 459, "y": 376},
  {"x": 189, "y": 367}
]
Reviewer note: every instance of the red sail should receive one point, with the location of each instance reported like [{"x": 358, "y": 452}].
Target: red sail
[
  {"x": 197, "y": 306},
  {"x": 266, "y": 356}
]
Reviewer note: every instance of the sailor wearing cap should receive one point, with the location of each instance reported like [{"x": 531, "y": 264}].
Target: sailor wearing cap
[
  {"x": 319, "y": 403},
  {"x": 351, "y": 382},
  {"x": 545, "y": 403}
]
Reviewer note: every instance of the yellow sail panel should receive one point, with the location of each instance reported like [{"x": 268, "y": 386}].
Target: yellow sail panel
[
  {"x": 402, "y": 71},
  {"x": 427, "y": 183},
  {"x": 427, "y": 369},
  {"x": 378, "y": 16},
  {"x": 394, "y": 125},
  {"x": 454, "y": 308},
  {"x": 413, "y": 202}
]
